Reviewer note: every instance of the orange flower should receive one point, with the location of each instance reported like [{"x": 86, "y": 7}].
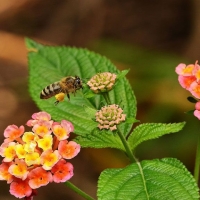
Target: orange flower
[
  {"x": 195, "y": 89},
  {"x": 39, "y": 177},
  {"x": 19, "y": 169},
  {"x": 62, "y": 171},
  {"x": 12, "y": 132},
  {"x": 4, "y": 174},
  {"x": 20, "y": 188},
  {"x": 186, "y": 81},
  {"x": 42, "y": 129},
  {"x": 68, "y": 150},
  {"x": 62, "y": 130},
  {"x": 49, "y": 158},
  {"x": 7, "y": 150},
  {"x": 185, "y": 70},
  {"x": 39, "y": 117}
]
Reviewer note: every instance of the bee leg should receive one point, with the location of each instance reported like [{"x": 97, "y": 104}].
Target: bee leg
[
  {"x": 68, "y": 96},
  {"x": 74, "y": 91},
  {"x": 56, "y": 103}
]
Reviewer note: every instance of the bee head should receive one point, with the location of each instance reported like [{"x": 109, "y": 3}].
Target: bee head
[{"x": 78, "y": 83}]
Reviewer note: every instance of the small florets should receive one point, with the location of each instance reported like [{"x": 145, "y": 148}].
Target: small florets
[
  {"x": 109, "y": 116},
  {"x": 102, "y": 82}
]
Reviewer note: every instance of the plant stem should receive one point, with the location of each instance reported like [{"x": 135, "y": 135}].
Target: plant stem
[
  {"x": 126, "y": 146},
  {"x": 197, "y": 162},
  {"x": 106, "y": 97},
  {"x": 78, "y": 191}
]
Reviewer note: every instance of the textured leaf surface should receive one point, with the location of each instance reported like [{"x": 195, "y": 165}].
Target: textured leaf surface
[
  {"x": 150, "y": 131},
  {"x": 165, "y": 179},
  {"x": 48, "y": 64},
  {"x": 100, "y": 139}
]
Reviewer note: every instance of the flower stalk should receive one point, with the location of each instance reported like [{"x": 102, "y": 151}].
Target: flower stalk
[
  {"x": 78, "y": 191},
  {"x": 197, "y": 161},
  {"x": 106, "y": 97},
  {"x": 126, "y": 146}
]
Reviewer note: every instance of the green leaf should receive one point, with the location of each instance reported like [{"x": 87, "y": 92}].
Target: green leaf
[
  {"x": 164, "y": 179},
  {"x": 192, "y": 99},
  {"x": 190, "y": 112},
  {"x": 132, "y": 120},
  {"x": 150, "y": 131},
  {"x": 100, "y": 139},
  {"x": 89, "y": 94},
  {"x": 48, "y": 64},
  {"x": 122, "y": 74},
  {"x": 90, "y": 111}
]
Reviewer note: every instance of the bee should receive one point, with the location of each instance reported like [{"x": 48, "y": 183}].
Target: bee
[{"x": 66, "y": 85}]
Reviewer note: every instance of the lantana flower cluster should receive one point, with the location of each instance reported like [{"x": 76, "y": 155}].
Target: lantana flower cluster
[
  {"x": 35, "y": 158},
  {"x": 109, "y": 116},
  {"x": 189, "y": 78},
  {"x": 102, "y": 82}
]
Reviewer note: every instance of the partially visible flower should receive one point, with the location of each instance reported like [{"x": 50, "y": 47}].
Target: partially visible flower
[
  {"x": 62, "y": 171},
  {"x": 186, "y": 81},
  {"x": 68, "y": 150},
  {"x": 20, "y": 151},
  {"x": 12, "y": 132},
  {"x": 196, "y": 71},
  {"x": 185, "y": 70},
  {"x": 195, "y": 89},
  {"x": 39, "y": 177},
  {"x": 102, "y": 82},
  {"x": 189, "y": 78},
  {"x": 20, "y": 188},
  {"x": 109, "y": 116},
  {"x": 29, "y": 147},
  {"x": 197, "y": 110},
  {"x": 4, "y": 174},
  {"x": 39, "y": 117}
]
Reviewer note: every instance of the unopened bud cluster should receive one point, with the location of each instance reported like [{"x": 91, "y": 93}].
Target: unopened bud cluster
[
  {"x": 109, "y": 116},
  {"x": 102, "y": 82}
]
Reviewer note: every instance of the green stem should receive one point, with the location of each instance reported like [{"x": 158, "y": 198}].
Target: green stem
[
  {"x": 197, "y": 162},
  {"x": 106, "y": 97},
  {"x": 78, "y": 191},
  {"x": 126, "y": 146}
]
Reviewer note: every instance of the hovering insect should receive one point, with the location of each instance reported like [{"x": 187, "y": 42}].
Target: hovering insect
[{"x": 66, "y": 85}]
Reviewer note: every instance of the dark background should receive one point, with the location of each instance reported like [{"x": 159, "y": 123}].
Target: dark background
[{"x": 149, "y": 37}]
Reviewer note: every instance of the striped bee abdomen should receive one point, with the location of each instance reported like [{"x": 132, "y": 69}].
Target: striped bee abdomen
[{"x": 50, "y": 90}]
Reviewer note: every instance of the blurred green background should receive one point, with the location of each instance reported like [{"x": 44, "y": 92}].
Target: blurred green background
[{"x": 149, "y": 38}]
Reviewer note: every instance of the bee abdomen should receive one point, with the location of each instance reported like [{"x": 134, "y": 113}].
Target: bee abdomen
[{"x": 50, "y": 90}]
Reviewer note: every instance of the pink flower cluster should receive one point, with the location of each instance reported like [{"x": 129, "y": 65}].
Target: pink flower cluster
[
  {"x": 109, "y": 116},
  {"x": 189, "y": 78},
  {"x": 35, "y": 158}
]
